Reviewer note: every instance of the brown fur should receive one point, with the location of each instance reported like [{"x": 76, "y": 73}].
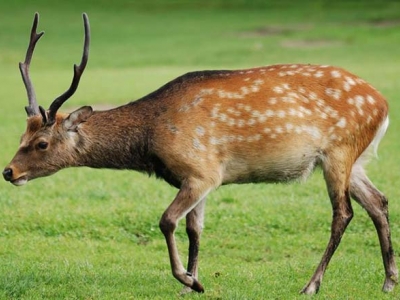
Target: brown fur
[{"x": 206, "y": 129}]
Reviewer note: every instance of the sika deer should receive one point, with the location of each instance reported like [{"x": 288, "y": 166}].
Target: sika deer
[{"x": 211, "y": 128}]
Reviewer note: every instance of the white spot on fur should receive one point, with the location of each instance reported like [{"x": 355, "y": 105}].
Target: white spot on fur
[
  {"x": 214, "y": 141},
  {"x": 251, "y": 122},
  {"x": 278, "y": 129},
  {"x": 231, "y": 122},
  {"x": 281, "y": 113},
  {"x": 262, "y": 118},
  {"x": 319, "y": 74},
  {"x": 371, "y": 99},
  {"x": 288, "y": 100},
  {"x": 214, "y": 112},
  {"x": 223, "y": 117},
  {"x": 269, "y": 113},
  {"x": 300, "y": 114},
  {"x": 267, "y": 130},
  {"x": 350, "y": 80},
  {"x": 289, "y": 127},
  {"x": 359, "y": 102},
  {"x": 341, "y": 123},
  {"x": 305, "y": 110},
  {"x": 292, "y": 112},
  {"x": 336, "y": 74},
  {"x": 272, "y": 101},
  {"x": 312, "y": 96},
  {"x": 302, "y": 90},
  {"x": 255, "y": 113},
  {"x": 320, "y": 103},
  {"x": 198, "y": 145},
  {"x": 348, "y": 83},
  {"x": 254, "y": 88},
  {"x": 244, "y": 90},
  {"x": 230, "y": 110},
  {"x": 200, "y": 131},
  {"x": 313, "y": 131},
  {"x": 334, "y": 93}
]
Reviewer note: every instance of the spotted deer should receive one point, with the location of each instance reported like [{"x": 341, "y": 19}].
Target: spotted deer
[{"x": 211, "y": 128}]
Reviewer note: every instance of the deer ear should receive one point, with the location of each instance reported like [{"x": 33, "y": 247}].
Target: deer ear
[{"x": 77, "y": 117}]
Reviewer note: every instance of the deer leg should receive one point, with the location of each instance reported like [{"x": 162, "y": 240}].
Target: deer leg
[
  {"x": 194, "y": 227},
  {"x": 375, "y": 203},
  {"x": 189, "y": 196},
  {"x": 337, "y": 180}
]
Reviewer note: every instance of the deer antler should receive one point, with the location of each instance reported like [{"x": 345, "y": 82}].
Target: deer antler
[
  {"x": 33, "y": 108},
  {"x": 78, "y": 70}
]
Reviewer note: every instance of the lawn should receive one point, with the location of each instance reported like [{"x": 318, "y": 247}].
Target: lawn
[{"x": 93, "y": 234}]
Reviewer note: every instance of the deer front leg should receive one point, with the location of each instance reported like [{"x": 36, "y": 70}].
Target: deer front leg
[
  {"x": 194, "y": 227},
  {"x": 187, "y": 199}
]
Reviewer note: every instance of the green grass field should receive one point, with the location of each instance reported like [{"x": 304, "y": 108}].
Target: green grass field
[{"x": 93, "y": 234}]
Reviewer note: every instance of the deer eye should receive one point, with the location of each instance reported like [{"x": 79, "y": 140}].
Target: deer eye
[{"x": 43, "y": 145}]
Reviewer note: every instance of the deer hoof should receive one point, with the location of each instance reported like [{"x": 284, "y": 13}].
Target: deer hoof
[
  {"x": 390, "y": 283},
  {"x": 196, "y": 286},
  {"x": 310, "y": 289}
]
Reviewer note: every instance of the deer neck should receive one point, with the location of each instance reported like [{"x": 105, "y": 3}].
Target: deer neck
[{"x": 116, "y": 139}]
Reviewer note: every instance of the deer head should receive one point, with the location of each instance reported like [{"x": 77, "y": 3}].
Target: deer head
[{"x": 44, "y": 139}]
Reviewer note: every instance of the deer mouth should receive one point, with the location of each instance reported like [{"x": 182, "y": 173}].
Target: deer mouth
[{"x": 20, "y": 181}]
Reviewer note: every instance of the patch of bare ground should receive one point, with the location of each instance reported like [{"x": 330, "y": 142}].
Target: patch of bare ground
[
  {"x": 311, "y": 43},
  {"x": 384, "y": 23},
  {"x": 273, "y": 30}
]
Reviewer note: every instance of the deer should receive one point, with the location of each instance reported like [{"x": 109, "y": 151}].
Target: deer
[{"x": 206, "y": 129}]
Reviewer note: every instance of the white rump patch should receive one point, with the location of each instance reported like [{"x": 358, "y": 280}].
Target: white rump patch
[{"x": 372, "y": 149}]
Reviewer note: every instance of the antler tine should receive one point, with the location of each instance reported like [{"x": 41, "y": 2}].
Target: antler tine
[
  {"x": 33, "y": 108},
  {"x": 78, "y": 70}
]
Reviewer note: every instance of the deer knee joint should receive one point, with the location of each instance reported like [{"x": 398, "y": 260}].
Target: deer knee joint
[{"x": 167, "y": 225}]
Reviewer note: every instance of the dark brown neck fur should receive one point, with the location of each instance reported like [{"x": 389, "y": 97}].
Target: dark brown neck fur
[{"x": 125, "y": 142}]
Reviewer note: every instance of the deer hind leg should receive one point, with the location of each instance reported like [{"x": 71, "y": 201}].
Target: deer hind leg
[
  {"x": 337, "y": 179},
  {"x": 375, "y": 203},
  {"x": 194, "y": 228},
  {"x": 189, "y": 197}
]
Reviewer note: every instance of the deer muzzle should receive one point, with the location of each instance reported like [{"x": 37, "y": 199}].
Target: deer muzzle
[{"x": 9, "y": 175}]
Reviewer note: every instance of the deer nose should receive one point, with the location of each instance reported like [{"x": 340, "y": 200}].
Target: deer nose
[{"x": 8, "y": 174}]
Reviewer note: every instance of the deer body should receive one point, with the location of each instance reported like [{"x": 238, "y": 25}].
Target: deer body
[{"x": 211, "y": 128}]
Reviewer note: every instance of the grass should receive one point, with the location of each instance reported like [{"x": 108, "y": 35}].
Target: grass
[{"x": 90, "y": 234}]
